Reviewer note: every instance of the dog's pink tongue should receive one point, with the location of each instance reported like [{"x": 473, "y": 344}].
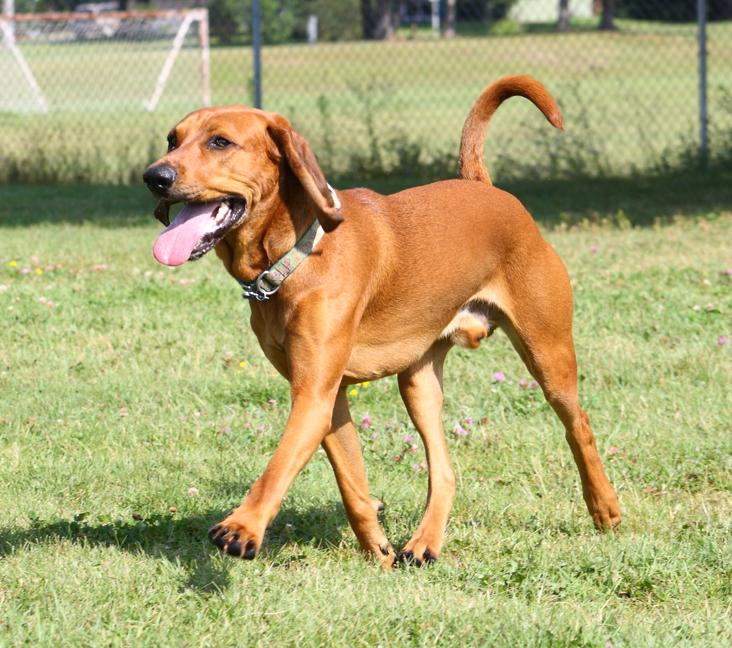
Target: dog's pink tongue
[{"x": 175, "y": 244}]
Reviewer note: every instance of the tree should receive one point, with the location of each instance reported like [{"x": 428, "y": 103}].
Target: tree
[
  {"x": 450, "y": 13},
  {"x": 563, "y": 20},
  {"x": 607, "y": 21},
  {"x": 380, "y": 18}
]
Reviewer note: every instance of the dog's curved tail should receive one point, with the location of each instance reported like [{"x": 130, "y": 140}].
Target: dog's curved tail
[{"x": 471, "y": 164}]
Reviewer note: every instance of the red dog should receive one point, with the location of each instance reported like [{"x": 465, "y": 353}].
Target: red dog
[{"x": 354, "y": 286}]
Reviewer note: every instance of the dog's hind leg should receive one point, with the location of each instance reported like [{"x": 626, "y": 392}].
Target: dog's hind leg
[
  {"x": 539, "y": 324},
  {"x": 421, "y": 389},
  {"x": 344, "y": 452}
]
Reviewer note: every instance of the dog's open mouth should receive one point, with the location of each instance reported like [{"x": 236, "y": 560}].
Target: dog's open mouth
[{"x": 196, "y": 229}]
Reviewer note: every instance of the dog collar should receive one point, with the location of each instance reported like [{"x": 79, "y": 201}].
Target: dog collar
[{"x": 270, "y": 281}]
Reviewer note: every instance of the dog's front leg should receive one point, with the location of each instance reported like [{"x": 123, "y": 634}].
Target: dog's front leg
[
  {"x": 317, "y": 350},
  {"x": 344, "y": 452}
]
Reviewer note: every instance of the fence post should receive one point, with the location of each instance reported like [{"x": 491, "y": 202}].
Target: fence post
[
  {"x": 257, "y": 51},
  {"x": 701, "y": 19}
]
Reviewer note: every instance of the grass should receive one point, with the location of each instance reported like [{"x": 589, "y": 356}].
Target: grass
[
  {"x": 137, "y": 407},
  {"x": 629, "y": 97}
]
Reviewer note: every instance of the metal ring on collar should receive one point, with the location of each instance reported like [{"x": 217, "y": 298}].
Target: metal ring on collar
[{"x": 261, "y": 289}]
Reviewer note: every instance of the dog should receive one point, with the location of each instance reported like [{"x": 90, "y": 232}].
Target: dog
[{"x": 352, "y": 286}]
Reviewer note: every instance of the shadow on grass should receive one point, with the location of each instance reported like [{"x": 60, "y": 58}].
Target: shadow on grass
[
  {"x": 184, "y": 541},
  {"x": 638, "y": 200}
]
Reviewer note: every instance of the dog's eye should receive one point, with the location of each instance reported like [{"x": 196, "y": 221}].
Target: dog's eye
[
  {"x": 219, "y": 143},
  {"x": 171, "y": 141}
]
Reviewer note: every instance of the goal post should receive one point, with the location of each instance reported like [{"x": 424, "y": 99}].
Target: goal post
[
  {"x": 63, "y": 58},
  {"x": 200, "y": 15}
]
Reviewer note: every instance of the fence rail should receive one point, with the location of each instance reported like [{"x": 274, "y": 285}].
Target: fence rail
[{"x": 106, "y": 87}]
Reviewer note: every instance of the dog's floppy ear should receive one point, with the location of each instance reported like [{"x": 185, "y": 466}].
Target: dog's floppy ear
[{"x": 304, "y": 166}]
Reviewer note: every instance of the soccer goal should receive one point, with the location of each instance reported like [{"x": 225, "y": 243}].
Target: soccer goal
[{"x": 104, "y": 60}]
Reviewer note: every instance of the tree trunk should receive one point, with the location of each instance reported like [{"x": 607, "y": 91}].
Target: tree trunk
[
  {"x": 563, "y": 20},
  {"x": 449, "y": 31},
  {"x": 379, "y": 19},
  {"x": 722, "y": 10},
  {"x": 367, "y": 20},
  {"x": 607, "y": 21}
]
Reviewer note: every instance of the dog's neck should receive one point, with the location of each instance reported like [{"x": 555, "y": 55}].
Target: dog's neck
[{"x": 274, "y": 226}]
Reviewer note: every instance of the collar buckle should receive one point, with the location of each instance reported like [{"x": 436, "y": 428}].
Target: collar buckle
[{"x": 256, "y": 289}]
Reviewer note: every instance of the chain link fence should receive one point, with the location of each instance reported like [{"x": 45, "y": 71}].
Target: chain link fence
[{"x": 378, "y": 87}]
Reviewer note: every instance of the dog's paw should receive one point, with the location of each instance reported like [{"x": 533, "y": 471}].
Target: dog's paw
[
  {"x": 408, "y": 558},
  {"x": 605, "y": 511},
  {"x": 234, "y": 539}
]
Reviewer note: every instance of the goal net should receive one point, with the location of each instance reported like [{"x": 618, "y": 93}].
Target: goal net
[{"x": 108, "y": 61}]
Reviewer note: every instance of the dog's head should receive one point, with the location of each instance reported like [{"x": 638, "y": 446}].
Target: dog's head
[{"x": 227, "y": 165}]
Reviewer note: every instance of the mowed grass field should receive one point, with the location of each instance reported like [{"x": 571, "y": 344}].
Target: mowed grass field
[
  {"x": 630, "y": 99},
  {"x": 136, "y": 408}
]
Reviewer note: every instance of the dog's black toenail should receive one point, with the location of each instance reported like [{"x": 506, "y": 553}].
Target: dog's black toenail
[
  {"x": 428, "y": 556},
  {"x": 384, "y": 550},
  {"x": 405, "y": 557},
  {"x": 250, "y": 550},
  {"x": 380, "y": 508},
  {"x": 234, "y": 548},
  {"x": 218, "y": 536},
  {"x": 213, "y": 531},
  {"x": 235, "y": 535}
]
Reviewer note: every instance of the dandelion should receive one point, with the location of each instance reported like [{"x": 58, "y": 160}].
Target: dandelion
[
  {"x": 499, "y": 376},
  {"x": 243, "y": 364},
  {"x": 353, "y": 392},
  {"x": 408, "y": 439},
  {"x": 722, "y": 340},
  {"x": 366, "y": 422},
  {"x": 39, "y": 271},
  {"x": 460, "y": 431},
  {"x": 365, "y": 384},
  {"x": 13, "y": 263}
]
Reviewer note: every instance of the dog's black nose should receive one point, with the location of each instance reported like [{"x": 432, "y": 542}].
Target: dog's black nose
[{"x": 159, "y": 178}]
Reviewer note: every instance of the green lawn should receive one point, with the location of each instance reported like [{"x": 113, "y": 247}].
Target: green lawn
[
  {"x": 136, "y": 408},
  {"x": 630, "y": 100}
]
